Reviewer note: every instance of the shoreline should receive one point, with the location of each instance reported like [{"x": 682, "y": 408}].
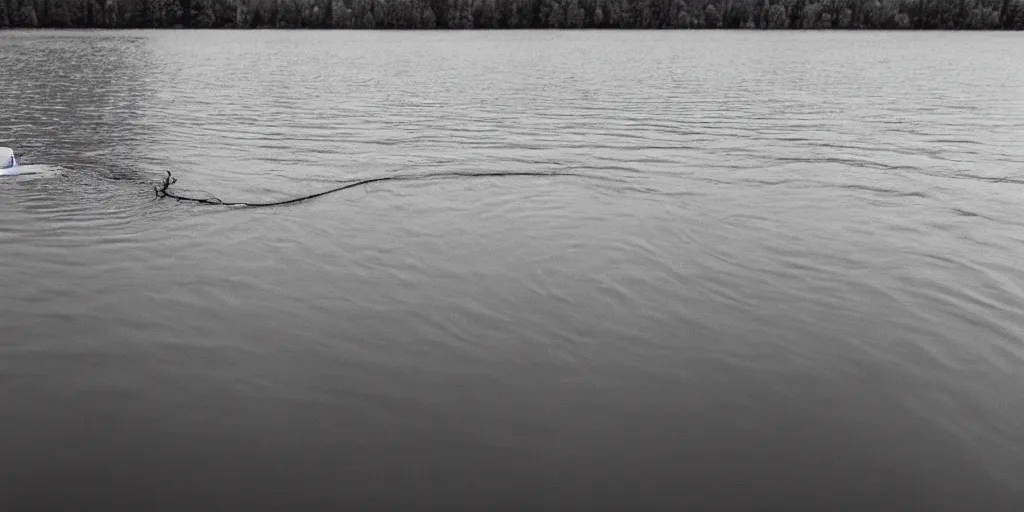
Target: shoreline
[
  {"x": 516, "y": 29},
  {"x": 888, "y": 15}
]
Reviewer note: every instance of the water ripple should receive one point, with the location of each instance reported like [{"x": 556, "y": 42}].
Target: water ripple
[{"x": 800, "y": 266}]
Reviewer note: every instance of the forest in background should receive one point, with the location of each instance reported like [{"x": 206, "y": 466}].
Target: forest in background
[{"x": 508, "y": 14}]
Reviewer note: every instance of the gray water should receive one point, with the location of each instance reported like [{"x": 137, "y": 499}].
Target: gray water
[{"x": 789, "y": 279}]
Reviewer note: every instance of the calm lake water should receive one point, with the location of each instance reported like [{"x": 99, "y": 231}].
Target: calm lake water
[{"x": 790, "y": 279}]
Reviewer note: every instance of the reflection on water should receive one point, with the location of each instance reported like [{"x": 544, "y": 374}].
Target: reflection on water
[{"x": 799, "y": 289}]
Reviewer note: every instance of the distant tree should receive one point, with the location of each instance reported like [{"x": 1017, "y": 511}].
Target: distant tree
[
  {"x": 412, "y": 13},
  {"x": 342, "y": 16},
  {"x": 735, "y": 15},
  {"x": 27, "y": 16},
  {"x": 759, "y": 15},
  {"x": 712, "y": 18},
  {"x": 362, "y": 14},
  {"x": 975, "y": 19},
  {"x": 172, "y": 13},
  {"x": 327, "y": 14},
  {"x": 465, "y": 19},
  {"x": 507, "y": 13},
  {"x": 615, "y": 13},
  {"x": 451, "y": 14},
  {"x": 550, "y": 14},
  {"x": 484, "y": 14},
  {"x": 61, "y": 15},
  {"x": 809, "y": 17},
  {"x": 845, "y": 18},
  {"x": 201, "y": 14},
  {"x": 887, "y": 15},
  {"x": 873, "y": 15},
  {"x": 777, "y": 18},
  {"x": 427, "y": 18},
  {"x": 224, "y": 13},
  {"x": 384, "y": 13},
  {"x": 680, "y": 14},
  {"x": 574, "y": 14}
]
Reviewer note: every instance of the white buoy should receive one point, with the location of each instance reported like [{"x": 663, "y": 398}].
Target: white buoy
[{"x": 8, "y": 164}]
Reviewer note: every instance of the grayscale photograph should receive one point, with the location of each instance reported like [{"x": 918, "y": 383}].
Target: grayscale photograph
[{"x": 512, "y": 255}]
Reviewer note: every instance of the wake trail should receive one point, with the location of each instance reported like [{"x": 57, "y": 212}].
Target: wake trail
[{"x": 164, "y": 190}]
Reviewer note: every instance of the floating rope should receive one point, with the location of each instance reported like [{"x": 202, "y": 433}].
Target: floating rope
[{"x": 163, "y": 191}]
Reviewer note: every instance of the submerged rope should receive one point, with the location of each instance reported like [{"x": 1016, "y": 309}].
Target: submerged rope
[{"x": 163, "y": 191}]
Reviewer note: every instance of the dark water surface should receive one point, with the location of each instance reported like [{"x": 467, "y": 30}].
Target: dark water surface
[{"x": 794, "y": 281}]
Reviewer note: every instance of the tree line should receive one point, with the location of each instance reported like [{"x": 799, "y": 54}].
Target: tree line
[{"x": 510, "y": 14}]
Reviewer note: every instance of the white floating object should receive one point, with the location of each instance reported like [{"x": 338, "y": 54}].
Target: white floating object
[{"x": 8, "y": 164}]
